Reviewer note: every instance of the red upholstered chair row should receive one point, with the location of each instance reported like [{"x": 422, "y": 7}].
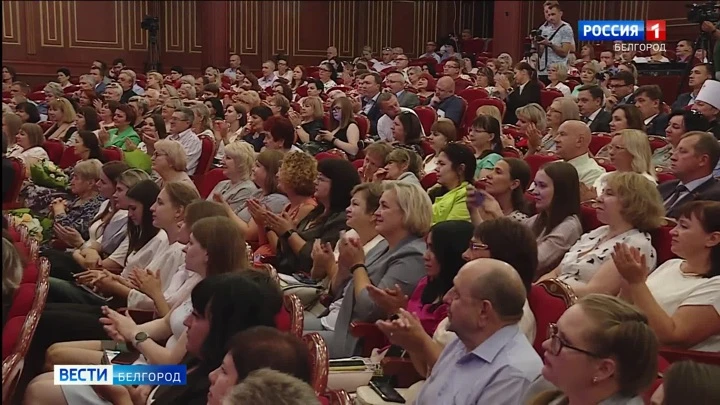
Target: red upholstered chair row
[
  {"x": 598, "y": 141},
  {"x": 427, "y": 116},
  {"x": 10, "y": 199},
  {"x": 548, "y": 300}
]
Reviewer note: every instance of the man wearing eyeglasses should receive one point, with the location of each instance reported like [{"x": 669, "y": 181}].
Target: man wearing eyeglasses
[
  {"x": 181, "y": 131},
  {"x": 386, "y": 61},
  {"x": 430, "y": 49},
  {"x": 621, "y": 86},
  {"x": 491, "y": 361},
  {"x": 396, "y": 83}
]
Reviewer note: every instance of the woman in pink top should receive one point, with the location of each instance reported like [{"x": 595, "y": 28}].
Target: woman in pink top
[{"x": 446, "y": 243}]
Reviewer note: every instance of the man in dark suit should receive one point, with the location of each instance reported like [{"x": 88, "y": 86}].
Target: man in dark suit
[
  {"x": 622, "y": 85},
  {"x": 525, "y": 91},
  {"x": 590, "y": 98},
  {"x": 648, "y": 99},
  {"x": 396, "y": 83},
  {"x": 369, "y": 91},
  {"x": 697, "y": 78},
  {"x": 693, "y": 162}
]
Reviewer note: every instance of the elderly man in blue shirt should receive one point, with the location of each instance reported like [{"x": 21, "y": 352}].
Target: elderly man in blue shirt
[{"x": 490, "y": 361}]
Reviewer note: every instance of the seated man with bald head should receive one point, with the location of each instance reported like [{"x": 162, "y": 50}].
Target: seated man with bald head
[
  {"x": 445, "y": 101},
  {"x": 571, "y": 144},
  {"x": 490, "y": 361}
]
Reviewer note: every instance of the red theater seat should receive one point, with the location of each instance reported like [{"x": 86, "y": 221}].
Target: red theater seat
[
  {"x": 54, "y": 149},
  {"x": 548, "y": 300}
]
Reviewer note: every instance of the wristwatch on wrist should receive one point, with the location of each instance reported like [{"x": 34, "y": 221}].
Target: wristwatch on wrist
[
  {"x": 355, "y": 267},
  {"x": 139, "y": 338}
]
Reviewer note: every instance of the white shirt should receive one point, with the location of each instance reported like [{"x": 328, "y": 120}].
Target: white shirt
[
  {"x": 385, "y": 125},
  {"x": 287, "y": 76},
  {"x": 230, "y": 72},
  {"x": 588, "y": 169},
  {"x": 647, "y": 120},
  {"x": 165, "y": 264},
  {"x": 380, "y": 65},
  {"x": 673, "y": 289},
  {"x": 577, "y": 268},
  {"x": 193, "y": 147},
  {"x": 142, "y": 257},
  {"x": 433, "y": 55},
  {"x": 562, "y": 87},
  {"x": 267, "y": 82},
  {"x": 36, "y": 153}
]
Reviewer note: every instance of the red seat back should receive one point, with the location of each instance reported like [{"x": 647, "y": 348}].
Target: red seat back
[
  {"x": 473, "y": 93},
  {"x": 548, "y": 300},
  {"x": 363, "y": 125},
  {"x": 54, "y": 149},
  {"x": 319, "y": 364},
  {"x": 511, "y": 152},
  {"x": 598, "y": 141},
  {"x": 657, "y": 142},
  {"x": 13, "y": 193},
  {"x": 427, "y": 116},
  {"x": 537, "y": 161},
  {"x": 547, "y": 96},
  {"x": 206, "y": 156},
  {"x": 113, "y": 154},
  {"x": 210, "y": 180},
  {"x": 665, "y": 177},
  {"x": 68, "y": 158},
  {"x": 661, "y": 241},
  {"x": 588, "y": 218},
  {"x": 672, "y": 355},
  {"x": 429, "y": 180},
  {"x": 294, "y": 307}
]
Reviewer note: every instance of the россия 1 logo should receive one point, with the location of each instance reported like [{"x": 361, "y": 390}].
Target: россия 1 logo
[{"x": 623, "y": 30}]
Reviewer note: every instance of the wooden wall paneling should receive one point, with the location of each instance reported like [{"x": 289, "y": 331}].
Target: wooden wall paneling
[
  {"x": 178, "y": 44},
  {"x": 245, "y": 31}
]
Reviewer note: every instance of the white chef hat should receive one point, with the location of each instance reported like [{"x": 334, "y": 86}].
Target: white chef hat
[{"x": 710, "y": 93}]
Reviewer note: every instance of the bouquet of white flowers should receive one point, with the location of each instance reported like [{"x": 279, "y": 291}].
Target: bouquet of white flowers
[
  {"x": 35, "y": 228},
  {"x": 47, "y": 174}
]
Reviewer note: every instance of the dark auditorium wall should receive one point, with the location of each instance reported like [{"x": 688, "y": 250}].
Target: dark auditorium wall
[{"x": 40, "y": 36}]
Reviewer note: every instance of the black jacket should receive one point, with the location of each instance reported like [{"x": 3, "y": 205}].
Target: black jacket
[
  {"x": 601, "y": 123},
  {"x": 657, "y": 125},
  {"x": 530, "y": 94},
  {"x": 710, "y": 190}
]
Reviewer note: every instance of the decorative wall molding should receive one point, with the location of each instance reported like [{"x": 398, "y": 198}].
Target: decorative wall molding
[{"x": 11, "y": 23}]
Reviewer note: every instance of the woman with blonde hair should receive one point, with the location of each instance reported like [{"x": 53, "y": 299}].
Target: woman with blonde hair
[
  {"x": 557, "y": 74},
  {"x": 248, "y": 99},
  {"x": 170, "y": 105},
  {"x": 79, "y": 211},
  {"x": 601, "y": 351},
  {"x": 154, "y": 80},
  {"x": 562, "y": 109},
  {"x": 169, "y": 163},
  {"x": 309, "y": 122},
  {"x": 343, "y": 132},
  {"x": 505, "y": 63},
  {"x": 490, "y": 110},
  {"x": 588, "y": 76},
  {"x": 375, "y": 155},
  {"x": 630, "y": 207},
  {"x": 629, "y": 151},
  {"x": 186, "y": 92},
  {"x": 62, "y": 114},
  {"x": 167, "y": 91},
  {"x": 239, "y": 160},
  {"x": 403, "y": 218},
  {"x": 531, "y": 117},
  {"x": 401, "y": 164},
  {"x": 442, "y": 132}
]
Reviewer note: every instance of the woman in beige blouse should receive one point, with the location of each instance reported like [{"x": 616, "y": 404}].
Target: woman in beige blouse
[{"x": 169, "y": 163}]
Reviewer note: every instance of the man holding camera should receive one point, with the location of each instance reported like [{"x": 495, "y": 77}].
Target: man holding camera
[
  {"x": 713, "y": 30},
  {"x": 555, "y": 41}
]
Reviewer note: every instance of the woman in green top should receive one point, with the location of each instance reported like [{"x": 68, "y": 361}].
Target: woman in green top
[
  {"x": 455, "y": 169},
  {"x": 124, "y": 119},
  {"x": 485, "y": 139}
]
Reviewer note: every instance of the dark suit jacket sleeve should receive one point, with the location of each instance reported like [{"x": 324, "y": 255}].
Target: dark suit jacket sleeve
[
  {"x": 453, "y": 110},
  {"x": 327, "y": 232},
  {"x": 681, "y": 101},
  {"x": 659, "y": 124},
  {"x": 601, "y": 123}
]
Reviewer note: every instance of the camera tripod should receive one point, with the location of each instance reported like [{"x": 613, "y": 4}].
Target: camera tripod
[
  {"x": 701, "y": 42},
  {"x": 153, "y": 60}
]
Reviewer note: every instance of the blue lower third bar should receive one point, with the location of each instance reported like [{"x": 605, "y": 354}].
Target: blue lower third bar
[
  {"x": 611, "y": 30},
  {"x": 150, "y": 375}
]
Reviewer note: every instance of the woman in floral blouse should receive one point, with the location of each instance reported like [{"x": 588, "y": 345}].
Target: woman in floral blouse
[{"x": 78, "y": 212}]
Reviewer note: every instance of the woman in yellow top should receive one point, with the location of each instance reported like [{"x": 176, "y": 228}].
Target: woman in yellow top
[
  {"x": 455, "y": 169},
  {"x": 123, "y": 119}
]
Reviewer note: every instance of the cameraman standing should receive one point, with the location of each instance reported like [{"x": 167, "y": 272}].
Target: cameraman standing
[
  {"x": 713, "y": 30},
  {"x": 557, "y": 40}
]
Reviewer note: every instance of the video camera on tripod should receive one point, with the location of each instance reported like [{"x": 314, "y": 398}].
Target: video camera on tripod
[{"x": 709, "y": 11}]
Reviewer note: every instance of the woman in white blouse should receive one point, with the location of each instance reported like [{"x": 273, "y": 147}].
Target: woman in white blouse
[
  {"x": 557, "y": 74},
  {"x": 630, "y": 206},
  {"x": 30, "y": 139},
  {"x": 629, "y": 151},
  {"x": 682, "y": 297},
  {"x": 239, "y": 161}
]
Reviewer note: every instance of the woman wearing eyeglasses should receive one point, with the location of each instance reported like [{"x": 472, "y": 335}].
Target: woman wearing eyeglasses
[
  {"x": 601, "y": 351},
  {"x": 328, "y": 74},
  {"x": 343, "y": 132},
  {"x": 169, "y": 163}
]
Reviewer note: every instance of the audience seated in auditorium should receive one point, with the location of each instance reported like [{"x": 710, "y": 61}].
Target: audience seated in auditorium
[
  {"x": 239, "y": 162},
  {"x": 586, "y": 356},
  {"x": 396, "y": 84},
  {"x": 29, "y": 140},
  {"x": 401, "y": 164},
  {"x": 698, "y": 75},
  {"x": 630, "y": 208},
  {"x": 62, "y": 114},
  {"x": 369, "y": 88},
  {"x": 407, "y": 132},
  {"x": 590, "y": 103},
  {"x": 525, "y": 91},
  {"x": 688, "y": 382},
  {"x": 28, "y": 112},
  {"x": 269, "y": 387},
  {"x": 622, "y": 90},
  {"x": 707, "y": 103},
  {"x": 693, "y": 161},
  {"x": 254, "y": 132},
  {"x": 562, "y": 109},
  {"x": 375, "y": 157},
  {"x": 484, "y": 137},
  {"x": 442, "y": 133},
  {"x": 390, "y": 108},
  {"x": 342, "y": 132},
  {"x": 280, "y": 135},
  {"x": 169, "y": 163}
]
